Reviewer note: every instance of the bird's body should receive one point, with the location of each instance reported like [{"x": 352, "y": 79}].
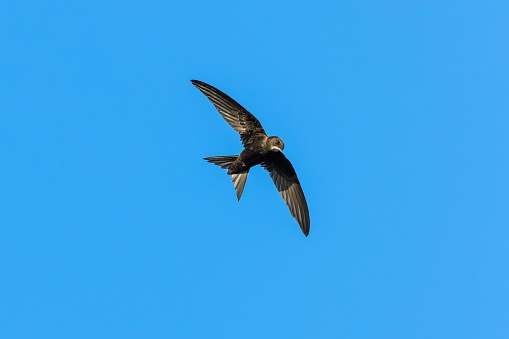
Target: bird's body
[
  {"x": 259, "y": 149},
  {"x": 253, "y": 154}
]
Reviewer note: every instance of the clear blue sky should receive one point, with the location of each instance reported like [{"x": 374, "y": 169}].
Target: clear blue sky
[{"x": 395, "y": 115}]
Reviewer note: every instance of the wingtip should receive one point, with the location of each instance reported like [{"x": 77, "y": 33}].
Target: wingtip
[{"x": 305, "y": 227}]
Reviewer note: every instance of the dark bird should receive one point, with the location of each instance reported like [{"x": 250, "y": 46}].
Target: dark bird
[{"x": 259, "y": 149}]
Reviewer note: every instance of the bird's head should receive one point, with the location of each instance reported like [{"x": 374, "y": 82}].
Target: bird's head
[{"x": 275, "y": 144}]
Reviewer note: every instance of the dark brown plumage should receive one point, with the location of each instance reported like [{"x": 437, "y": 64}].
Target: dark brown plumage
[{"x": 259, "y": 149}]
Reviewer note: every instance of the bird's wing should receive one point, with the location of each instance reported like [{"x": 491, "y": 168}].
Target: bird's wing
[
  {"x": 282, "y": 173},
  {"x": 235, "y": 115}
]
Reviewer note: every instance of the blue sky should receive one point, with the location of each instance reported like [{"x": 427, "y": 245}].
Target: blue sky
[{"x": 394, "y": 115}]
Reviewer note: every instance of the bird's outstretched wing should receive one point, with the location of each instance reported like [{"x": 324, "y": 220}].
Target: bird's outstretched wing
[
  {"x": 235, "y": 115},
  {"x": 282, "y": 173}
]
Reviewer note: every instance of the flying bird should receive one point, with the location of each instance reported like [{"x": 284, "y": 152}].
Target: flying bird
[{"x": 259, "y": 149}]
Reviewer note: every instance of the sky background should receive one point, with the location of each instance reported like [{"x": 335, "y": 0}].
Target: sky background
[{"x": 395, "y": 115}]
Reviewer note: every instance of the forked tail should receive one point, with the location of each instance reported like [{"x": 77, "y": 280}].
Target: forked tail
[{"x": 238, "y": 179}]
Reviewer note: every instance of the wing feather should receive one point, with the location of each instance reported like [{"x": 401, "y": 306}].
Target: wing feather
[
  {"x": 235, "y": 115},
  {"x": 285, "y": 179}
]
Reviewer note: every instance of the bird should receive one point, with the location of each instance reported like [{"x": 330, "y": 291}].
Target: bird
[{"x": 259, "y": 149}]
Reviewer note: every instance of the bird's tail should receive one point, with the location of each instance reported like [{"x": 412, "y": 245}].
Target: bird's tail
[
  {"x": 238, "y": 179},
  {"x": 223, "y": 161}
]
